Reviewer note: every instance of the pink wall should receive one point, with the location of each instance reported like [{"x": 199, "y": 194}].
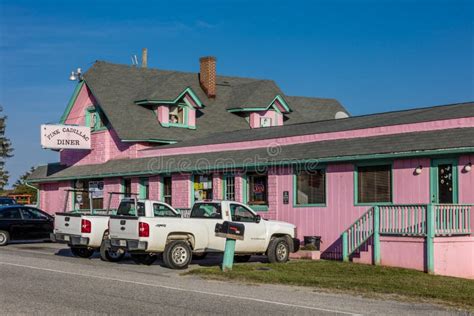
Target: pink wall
[
  {"x": 217, "y": 186},
  {"x": 155, "y": 188},
  {"x": 112, "y": 185},
  {"x": 192, "y": 117},
  {"x": 181, "y": 186},
  {"x": 409, "y": 188},
  {"x": 405, "y": 252},
  {"x": 454, "y": 256},
  {"x": 78, "y": 111},
  {"x": 367, "y": 132},
  {"x": 53, "y": 197},
  {"x": 163, "y": 113},
  {"x": 466, "y": 180},
  {"x": 106, "y": 145}
]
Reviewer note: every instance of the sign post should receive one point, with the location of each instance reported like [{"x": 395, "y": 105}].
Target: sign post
[{"x": 231, "y": 232}]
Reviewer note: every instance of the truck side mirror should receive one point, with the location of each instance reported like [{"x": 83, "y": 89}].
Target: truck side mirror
[{"x": 258, "y": 218}]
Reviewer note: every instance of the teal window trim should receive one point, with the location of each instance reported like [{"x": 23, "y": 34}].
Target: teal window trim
[
  {"x": 142, "y": 187},
  {"x": 95, "y": 111},
  {"x": 245, "y": 195},
  {"x": 188, "y": 90},
  {"x": 434, "y": 177},
  {"x": 295, "y": 191},
  {"x": 161, "y": 196},
  {"x": 356, "y": 178},
  {"x": 271, "y": 105}
]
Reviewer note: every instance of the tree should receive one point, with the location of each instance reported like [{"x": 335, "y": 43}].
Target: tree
[
  {"x": 6, "y": 151},
  {"x": 20, "y": 186}
]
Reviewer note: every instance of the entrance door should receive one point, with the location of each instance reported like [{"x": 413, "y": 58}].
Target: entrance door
[{"x": 444, "y": 184}]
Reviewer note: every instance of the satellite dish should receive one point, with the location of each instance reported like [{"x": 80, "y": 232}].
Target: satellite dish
[{"x": 341, "y": 115}]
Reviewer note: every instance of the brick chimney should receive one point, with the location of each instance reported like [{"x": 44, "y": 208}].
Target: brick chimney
[{"x": 207, "y": 75}]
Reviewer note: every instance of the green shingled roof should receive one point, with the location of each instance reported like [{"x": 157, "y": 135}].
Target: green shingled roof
[{"x": 118, "y": 87}]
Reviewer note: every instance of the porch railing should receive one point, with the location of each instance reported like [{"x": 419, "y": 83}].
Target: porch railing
[{"x": 416, "y": 220}]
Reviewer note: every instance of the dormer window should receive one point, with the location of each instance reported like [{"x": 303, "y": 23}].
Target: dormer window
[
  {"x": 180, "y": 112},
  {"x": 270, "y": 115}
]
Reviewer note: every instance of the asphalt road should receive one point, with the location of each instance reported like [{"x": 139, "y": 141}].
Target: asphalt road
[{"x": 43, "y": 278}]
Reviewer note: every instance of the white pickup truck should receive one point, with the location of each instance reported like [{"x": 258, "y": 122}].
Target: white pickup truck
[
  {"x": 179, "y": 239},
  {"x": 86, "y": 233}
]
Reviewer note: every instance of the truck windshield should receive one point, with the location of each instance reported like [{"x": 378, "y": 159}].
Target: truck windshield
[
  {"x": 206, "y": 210},
  {"x": 127, "y": 208}
]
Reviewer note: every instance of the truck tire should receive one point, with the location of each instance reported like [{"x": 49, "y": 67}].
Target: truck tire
[
  {"x": 143, "y": 258},
  {"x": 278, "y": 250},
  {"x": 107, "y": 254},
  {"x": 4, "y": 238},
  {"x": 177, "y": 255},
  {"x": 242, "y": 258},
  {"x": 82, "y": 252}
]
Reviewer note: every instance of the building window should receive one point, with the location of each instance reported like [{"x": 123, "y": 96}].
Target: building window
[
  {"x": 176, "y": 115},
  {"x": 265, "y": 122},
  {"x": 127, "y": 187},
  {"x": 229, "y": 188},
  {"x": 310, "y": 187},
  {"x": 257, "y": 189},
  {"x": 167, "y": 190},
  {"x": 374, "y": 184},
  {"x": 86, "y": 190},
  {"x": 202, "y": 187}
]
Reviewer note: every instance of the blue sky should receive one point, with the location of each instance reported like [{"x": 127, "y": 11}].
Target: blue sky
[{"x": 373, "y": 56}]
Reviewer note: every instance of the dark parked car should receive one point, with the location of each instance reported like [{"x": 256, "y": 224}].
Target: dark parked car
[
  {"x": 18, "y": 222},
  {"x": 5, "y": 200}
]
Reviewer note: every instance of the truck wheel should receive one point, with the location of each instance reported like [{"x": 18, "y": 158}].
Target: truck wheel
[
  {"x": 107, "y": 254},
  {"x": 82, "y": 252},
  {"x": 242, "y": 258},
  {"x": 278, "y": 250},
  {"x": 177, "y": 255},
  {"x": 4, "y": 238},
  {"x": 144, "y": 258},
  {"x": 199, "y": 256}
]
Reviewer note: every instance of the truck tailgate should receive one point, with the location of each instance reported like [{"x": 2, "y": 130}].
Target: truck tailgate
[
  {"x": 66, "y": 223},
  {"x": 123, "y": 227}
]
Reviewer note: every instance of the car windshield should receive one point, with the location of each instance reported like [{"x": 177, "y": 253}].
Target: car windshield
[
  {"x": 206, "y": 210},
  {"x": 127, "y": 208},
  {"x": 7, "y": 201}
]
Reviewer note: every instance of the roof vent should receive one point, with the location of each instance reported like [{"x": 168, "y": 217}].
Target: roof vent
[{"x": 341, "y": 115}]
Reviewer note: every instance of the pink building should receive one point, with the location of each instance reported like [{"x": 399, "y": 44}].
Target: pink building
[{"x": 392, "y": 188}]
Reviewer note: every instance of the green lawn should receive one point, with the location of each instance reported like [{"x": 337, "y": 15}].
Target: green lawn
[{"x": 361, "y": 279}]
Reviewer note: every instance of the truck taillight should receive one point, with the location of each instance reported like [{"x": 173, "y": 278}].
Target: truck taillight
[
  {"x": 86, "y": 226},
  {"x": 143, "y": 230}
]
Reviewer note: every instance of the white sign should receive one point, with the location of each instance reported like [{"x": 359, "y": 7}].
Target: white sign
[{"x": 65, "y": 137}]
